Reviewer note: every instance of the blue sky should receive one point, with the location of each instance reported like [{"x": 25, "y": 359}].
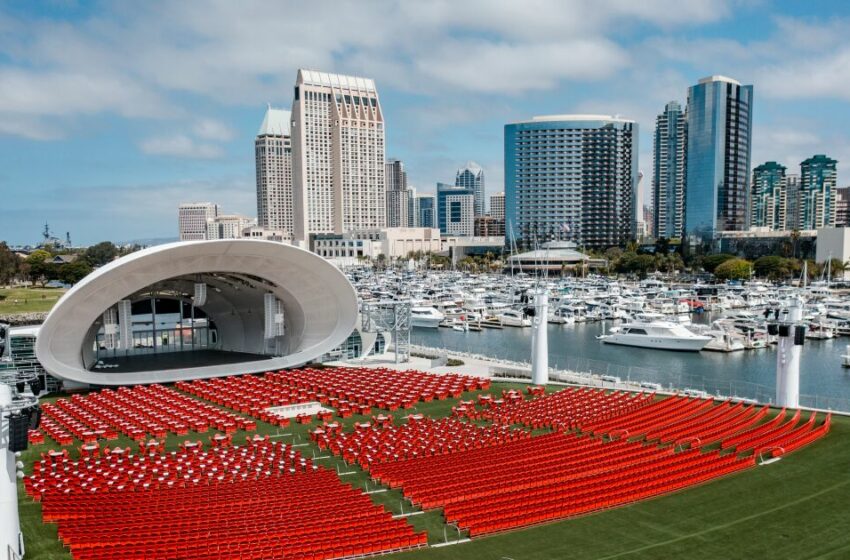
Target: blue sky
[{"x": 112, "y": 113}]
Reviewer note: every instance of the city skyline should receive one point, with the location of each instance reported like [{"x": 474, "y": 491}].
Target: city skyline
[{"x": 92, "y": 133}]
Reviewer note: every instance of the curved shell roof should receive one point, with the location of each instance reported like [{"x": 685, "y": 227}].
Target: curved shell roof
[{"x": 320, "y": 306}]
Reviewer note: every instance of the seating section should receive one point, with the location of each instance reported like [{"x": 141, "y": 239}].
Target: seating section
[
  {"x": 563, "y": 411},
  {"x": 373, "y": 442},
  {"x": 261, "y": 500},
  {"x": 778, "y": 437},
  {"x": 136, "y": 412},
  {"x": 549, "y": 477},
  {"x": 348, "y": 389},
  {"x": 524, "y": 481}
]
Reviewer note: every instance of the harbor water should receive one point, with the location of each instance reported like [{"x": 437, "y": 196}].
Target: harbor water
[{"x": 824, "y": 383}]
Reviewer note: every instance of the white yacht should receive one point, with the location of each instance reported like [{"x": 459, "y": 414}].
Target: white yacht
[
  {"x": 425, "y": 317},
  {"x": 513, "y": 318},
  {"x": 650, "y": 332},
  {"x": 562, "y": 316},
  {"x": 721, "y": 340}
]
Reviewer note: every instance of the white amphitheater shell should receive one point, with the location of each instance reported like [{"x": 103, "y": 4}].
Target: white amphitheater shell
[{"x": 319, "y": 309}]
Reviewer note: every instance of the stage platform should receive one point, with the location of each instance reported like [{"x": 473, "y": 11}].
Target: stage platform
[{"x": 176, "y": 360}]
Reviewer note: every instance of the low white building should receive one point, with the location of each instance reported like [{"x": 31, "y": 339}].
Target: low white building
[
  {"x": 192, "y": 219},
  {"x": 834, "y": 243},
  {"x": 351, "y": 247},
  {"x": 264, "y": 234},
  {"x": 228, "y": 226}
]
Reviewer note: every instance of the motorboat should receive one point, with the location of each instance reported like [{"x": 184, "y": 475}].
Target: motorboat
[
  {"x": 845, "y": 358},
  {"x": 657, "y": 334},
  {"x": 513, "y": 318},
  {"x": 562, "y": 316},
  {"x": 721, "y": 340},
  {"x": 425, "y": 317}
]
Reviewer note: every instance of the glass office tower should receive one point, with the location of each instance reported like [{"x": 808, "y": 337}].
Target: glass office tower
[
  {"x": 719, "y": 146},
  {"x": 571, "y": 178},
  {"x": 769, "y": 201},
  {"x": 669, "y": 169}
]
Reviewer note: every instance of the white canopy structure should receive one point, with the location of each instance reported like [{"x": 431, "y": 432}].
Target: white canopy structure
[{"x": 312, "y": 309}]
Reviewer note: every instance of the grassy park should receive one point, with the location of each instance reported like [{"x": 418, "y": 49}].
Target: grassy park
[
  {"x": 794, "y": 508},
  {"x": 28, "y": 300}
]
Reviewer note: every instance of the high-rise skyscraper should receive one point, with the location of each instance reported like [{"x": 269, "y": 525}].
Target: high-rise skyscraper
[
  {"x": 472, "y": 177},
  {"x": 769, "y": 200},
  {"x": 817, "y": 192},
  {"x": 719, "y": 147},
  {"x": 497, "y": 206},
  {"x": 792, "y": 200},
  {"x": 426, "y": 210},
  {"x": 571, "y": 177},
  {"x": 192, "y": 218},
  {"x": 273, "y": 161},
  {"x": 669, "y": 170},
  {"x": 842, "y": 207},
  {"x": 398, "y": 196},
  {"x": 338, "y": 155},
  {"x": 411, "y": 208},
  {"x": 455, "y": 209}
]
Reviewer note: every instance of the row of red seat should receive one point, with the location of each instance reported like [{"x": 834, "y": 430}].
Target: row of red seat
[
  {"x": 779, "y": 437},
  {"x": 53, "y": 429},
  {"x": 565, "y": 410},
  {"x": 371, "y": 443},
  {"x": 547, "y": 477},
  {"x": 135, "y": 412},
  {"x": 275, "y": 512},
  {"x": 119, "y": 469},
  {"x": 651, "y": 417},
  {"x": 348, "y": 389}
]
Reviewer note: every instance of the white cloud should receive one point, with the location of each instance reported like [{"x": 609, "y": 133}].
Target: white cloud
[
  {"x": 513, "y": 68},
  {"x": 181, "y": 146},
  {"x": 211, "y": 129}
]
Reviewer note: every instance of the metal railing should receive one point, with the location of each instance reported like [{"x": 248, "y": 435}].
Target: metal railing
[{"x": 598, "y": 373}]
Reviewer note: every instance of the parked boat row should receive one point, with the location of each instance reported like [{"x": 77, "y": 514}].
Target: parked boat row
[{"x": 650, "y": 314}]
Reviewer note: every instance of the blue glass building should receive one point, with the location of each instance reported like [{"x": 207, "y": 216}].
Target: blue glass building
[
  {"x": 472, "y": 177},
  {"x": 817, "y": 196},
  {"x": 455, "y": 209},
  {"x": 769, "y": 200},
  {"x": 426, "y": 211},
  {"x": 719, "y": 146},
  {"x": 669, "y": 171},
  {"x": 571, "y": 178}
]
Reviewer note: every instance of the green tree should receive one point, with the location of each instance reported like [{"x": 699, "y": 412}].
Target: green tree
[
  {"x": 41, "y": 267},
  {"x": 733, "y": 269},
  {"x": 773, "y": 267},
  {"x": 711, "y": 262},
  {"x": 837, "y": 267},
  {"x": 9, "y": 264},
  {"x": 100, "y": 254},
  {"x": 795, "y": 238},
  {"x": 73, "y": 272}
]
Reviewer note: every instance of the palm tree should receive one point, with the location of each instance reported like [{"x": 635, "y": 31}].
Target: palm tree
[{"x": 795, "y": 236}]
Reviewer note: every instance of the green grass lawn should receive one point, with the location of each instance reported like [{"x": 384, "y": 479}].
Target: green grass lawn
[
  {"x": 28, "y": 300},
  {"x": 795, "y": 508}
]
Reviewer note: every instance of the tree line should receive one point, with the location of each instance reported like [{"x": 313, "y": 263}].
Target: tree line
[{"x": 39, "y": 267}]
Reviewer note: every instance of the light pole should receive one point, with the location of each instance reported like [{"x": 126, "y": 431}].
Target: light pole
[{"x": 540, "y": 338}]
